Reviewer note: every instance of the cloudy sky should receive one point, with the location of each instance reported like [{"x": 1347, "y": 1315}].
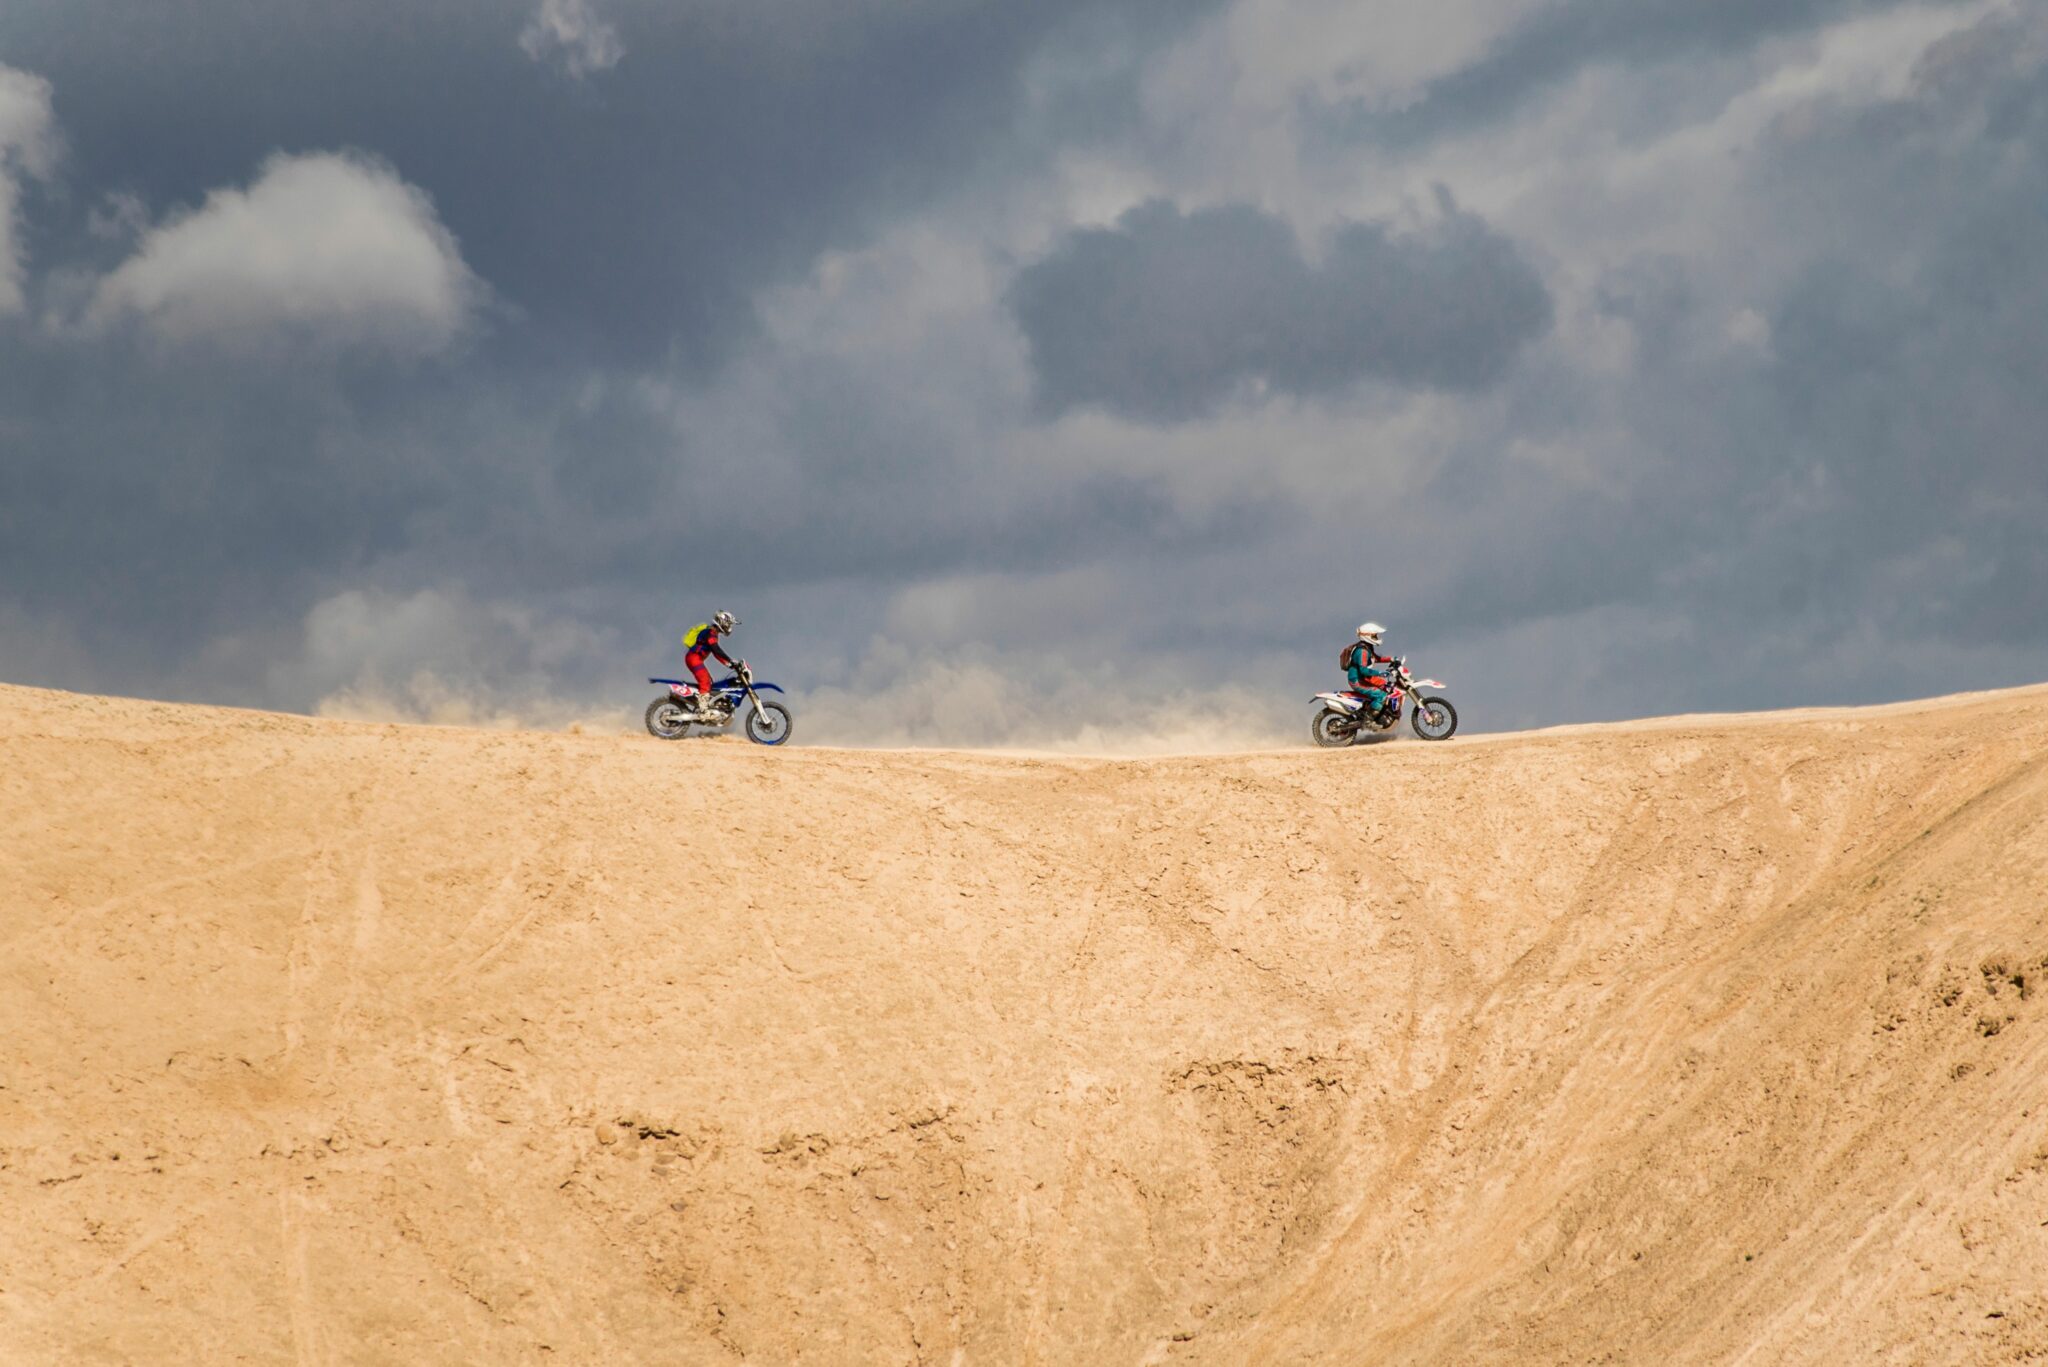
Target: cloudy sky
[{"x": 1019, "y": 369}]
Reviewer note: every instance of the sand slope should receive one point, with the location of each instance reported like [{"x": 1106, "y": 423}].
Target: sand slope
[{"x": 1707, "y": 1040}]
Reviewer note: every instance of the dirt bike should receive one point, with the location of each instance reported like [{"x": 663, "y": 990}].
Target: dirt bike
[
  {"x": 670, "y": 716},
  {"x": 1344, "y": 717}
]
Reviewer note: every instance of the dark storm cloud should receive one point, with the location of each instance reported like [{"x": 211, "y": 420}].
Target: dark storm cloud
[
  {"x": 1737, "y": 453},
  {"x": 1879, "y": 458},
  {"x": 1167, "y": 313},
  {"x": 156, "y": 496},
  {"x": 156, "y": 500},
  {"x": 628, "y": 215},
  {"x": 159, "y": 502},
  {"x": 1561, "y": 40}
]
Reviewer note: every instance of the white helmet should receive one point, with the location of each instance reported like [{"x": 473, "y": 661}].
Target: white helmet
[
  {"x": 1371, "y": 632},
  {"x": 725, "y": 621}
]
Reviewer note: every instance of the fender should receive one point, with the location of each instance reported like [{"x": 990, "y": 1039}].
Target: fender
[
  {"x": 1340, "y": 702},
  {"x": 1431, "y": 683},
  {"x": 716, "y": 684}
]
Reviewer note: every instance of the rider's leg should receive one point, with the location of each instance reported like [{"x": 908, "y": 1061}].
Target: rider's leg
[
  {"x": 703, "y": 677},
  {"x": 695, "y": 667}
]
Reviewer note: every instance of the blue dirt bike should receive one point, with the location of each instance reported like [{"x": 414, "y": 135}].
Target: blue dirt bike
[{"x": 670, "y": 716}]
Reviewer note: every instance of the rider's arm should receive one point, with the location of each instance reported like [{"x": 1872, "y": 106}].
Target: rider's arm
[{"x": 719, "y": 651}]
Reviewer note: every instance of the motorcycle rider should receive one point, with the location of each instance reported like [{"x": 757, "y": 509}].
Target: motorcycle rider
[
  {"x": 702, "y": 640},
  {"x": 1362, "y": 665}
]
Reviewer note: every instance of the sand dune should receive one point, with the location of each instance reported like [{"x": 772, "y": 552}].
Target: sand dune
[{"x": 1704, "y": 1040}]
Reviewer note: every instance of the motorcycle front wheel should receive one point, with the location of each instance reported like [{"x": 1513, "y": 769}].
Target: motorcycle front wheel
[
  {"x": 768, "y": 723},
  {"x": 1332, "y": 729},
  {"x": 1434, "y": 718},
  {"x": 665, "y": 720}
]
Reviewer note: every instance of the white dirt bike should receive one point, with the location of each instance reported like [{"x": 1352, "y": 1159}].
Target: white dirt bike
[{"x": 1344, "y": 717}]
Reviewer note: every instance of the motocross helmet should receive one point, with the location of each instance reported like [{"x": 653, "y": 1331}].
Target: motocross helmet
[
  {"x": 1370, "y": 632},
  {"x": 725, "y": 621}
]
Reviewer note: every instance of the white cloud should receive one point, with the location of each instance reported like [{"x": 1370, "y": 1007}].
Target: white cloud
[
  {"x": 120, "y": 216},
  {"x": 28, "y": 146},
  {"x": 330, "y": 247},
  {"x": 1381, "y": 52},
  {"x": 570, "y": 32}
]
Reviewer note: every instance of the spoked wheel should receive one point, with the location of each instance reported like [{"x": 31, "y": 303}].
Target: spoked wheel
[
  {"x": 1332, "y": 729},
  {"x": 768, "y": 723},
  {"x": 665, "y": 719},
  {"x": 1434, "y": 718}
]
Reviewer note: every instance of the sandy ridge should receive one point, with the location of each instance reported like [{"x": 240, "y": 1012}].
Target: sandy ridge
[{"x": 1690, "y": 1040}]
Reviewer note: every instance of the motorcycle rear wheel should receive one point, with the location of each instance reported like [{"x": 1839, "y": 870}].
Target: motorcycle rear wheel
[
  {"x": 1333, "y": 730},
  {"x": 1434, "y": 718},
  {"x": 665, "y": 720}
]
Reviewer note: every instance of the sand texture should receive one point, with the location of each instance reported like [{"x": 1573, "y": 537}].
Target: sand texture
[{"x": 1699, "y": 1040}]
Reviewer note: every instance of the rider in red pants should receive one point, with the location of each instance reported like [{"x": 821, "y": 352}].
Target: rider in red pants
[{"x": 702, "y": 640}]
